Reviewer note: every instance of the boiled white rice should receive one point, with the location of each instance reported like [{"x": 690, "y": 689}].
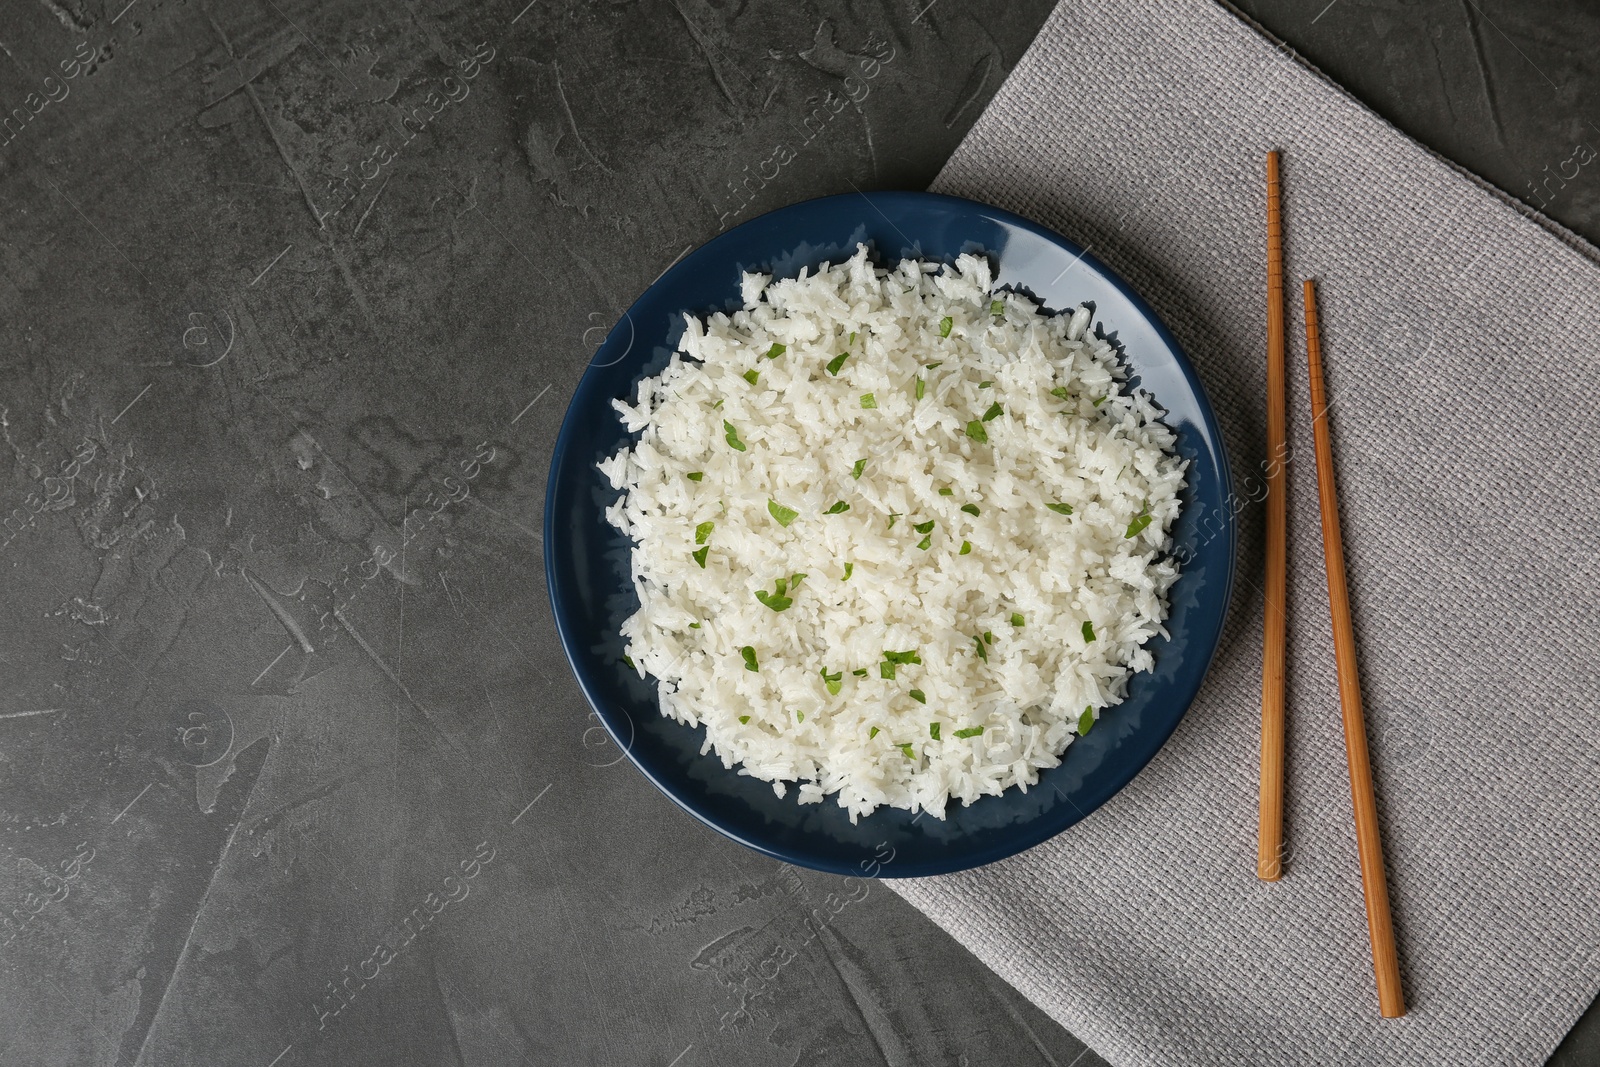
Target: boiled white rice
[{"x": 1024, "y": 618}]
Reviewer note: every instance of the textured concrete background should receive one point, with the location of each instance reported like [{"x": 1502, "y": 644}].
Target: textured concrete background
[{"x": 292, "y": 296}]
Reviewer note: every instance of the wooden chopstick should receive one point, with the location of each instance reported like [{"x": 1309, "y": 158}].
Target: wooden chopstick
[
  {"x": 1369, "y": 842},
  {"x": 1269, "y": 835}
]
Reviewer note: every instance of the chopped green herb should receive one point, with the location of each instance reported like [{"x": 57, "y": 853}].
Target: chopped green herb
[
  {"x": 921, "y": 388},
  {"x": 1060, "y": 391},
  {"x": 849, "y": 569},
  {"x": 924, "y": 527},
  {"x": 913, "y": 656},
  {"x": 700, "y": 556},
  {"x": 933, "y": 366},
  {"x": 971, "y": 731},
  {"x": 919, "y": 696},
  {"x": 997, "y": 307},
  {"x": 784, "y": 515},
  {"x": 833, "y": 681},
  {"x": 872, "y": 733},
  {"x": 796, "y": 579},
  {"x": 976, "y": 432},
  {"x": 944, "y": 326},
  {"x": 1140, "y": 521},
  {"x": 947, "y": 491},
  {"x": 749, "y": 654},
  {"x": 1085, "y": 721},
  {"x": 695, "y": 476},
  {"x": 988, "y": 637},
  {"x": 1102, "y": 400},
  {"x": 852, "y": 337},
  {"x": 860, "y": 672},
  {"x": 776, "y": 350},
  {"x": 966, "y": 546},
  {"x": 994, "y": 412},
  {"x": 970, "y": 509},
  {"x": 906, "y": 748},
  {"x": 868, "y": 400},
  {"x": 985, "y": 385},
  {"x": 1017, "y": 620},
  {"x": 776, "y": 601},
  {"x": 837, "y": 362},
  {"x": 694, "y": 626},
  {"x": 751, "y": 376},
  {"x": 744, "y": 720},
  {"x": 926, "y": 543},
  {"x": 1060, "y": 509},
  {"x": 983, "y": 653},
  {"x": 838, "y": 506},
  {"x": 886, "y": 670},
  {"x": 702, "y": 532},
  {"x": 860, "y": 466},
  {"x": 799, "y": 716},
  {"x": 781, "y": 585},
  {"x": 629, "y": 661},
  {"x": 1088, "y": 630},
  {"x": 893, "y": 515},
  {"x": 933, "y": 730},
  {"x": 733, "y": 435},
  {"x": 717, "y": 405}
]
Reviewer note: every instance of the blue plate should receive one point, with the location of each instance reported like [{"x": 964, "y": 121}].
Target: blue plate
[{"x": 591, "y": 593}]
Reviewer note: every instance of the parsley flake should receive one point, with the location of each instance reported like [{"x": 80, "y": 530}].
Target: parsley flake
[
  {"x": 924, "y": 527},
  {"x": 997, "y": 307},
  {"x": 751, "y": 376},
  {"x": 733, "y": 435},
  {"x": 983, "y": 653},
  {"x": 748, "y": 652},
  {"x": 1088, "y": 630},
  {"x": 1085, "y": 721},
  {"x": 906, "y": 748},
  {"x": 868, "y": 401},
  {"x": 872, "y": 733},
  {"x": 860, "y": 466},
  {"x": 994, "y": 412},
  {"x": 1140, "y": 521},
  {"x": 695, "y": 476},
  {"x": 919, "y": 696},
  {"x": 1060, "y": 391},
  {"x": 837, "y": 362},
  {"x": 744, "y": 720},
  {"x": 1060, "y": 509},
  {"x": 921, "y": 388},
  {"x": 966, "y": 546},
  {"x": 1017, "y": 620},
  {"x": 849, "y": 569},
  {"x": 784, "y": 515},
  {"x": 776, "y": 350},
  {"x": 933, "y": 730},
  {"x": 703, "y": 532},
  {"x": 700, "y": 556},
  {"x": 976, "y": 431},
  {"x": 944, "y": 326},
  {"x": 833, "y": 681},
  {"x": 970, "y": 509},
  {"x": 971, "y": 731},
  {"x": 839, "y": 506}
]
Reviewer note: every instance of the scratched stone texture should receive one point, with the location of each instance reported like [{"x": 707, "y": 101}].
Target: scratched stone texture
[{"x": 292, "y": 297}]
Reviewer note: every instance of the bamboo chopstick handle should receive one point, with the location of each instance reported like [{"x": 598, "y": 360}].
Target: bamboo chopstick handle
[
  {"x": 1369, "y": 842},
  {"x": 1269, "y": 833}
]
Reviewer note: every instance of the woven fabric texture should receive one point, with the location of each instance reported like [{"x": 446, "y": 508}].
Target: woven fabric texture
[{"x": 1461, "y": 340}]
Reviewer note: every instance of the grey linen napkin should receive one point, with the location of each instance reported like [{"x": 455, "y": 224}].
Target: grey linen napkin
[{"x": 1461, "y": 345}]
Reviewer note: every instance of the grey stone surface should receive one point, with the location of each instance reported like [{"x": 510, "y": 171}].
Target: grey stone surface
[{"x": 291, "y": 299}]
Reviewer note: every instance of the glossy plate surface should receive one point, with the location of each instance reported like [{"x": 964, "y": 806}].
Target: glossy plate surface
[{"x": 586, "y": 560}]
